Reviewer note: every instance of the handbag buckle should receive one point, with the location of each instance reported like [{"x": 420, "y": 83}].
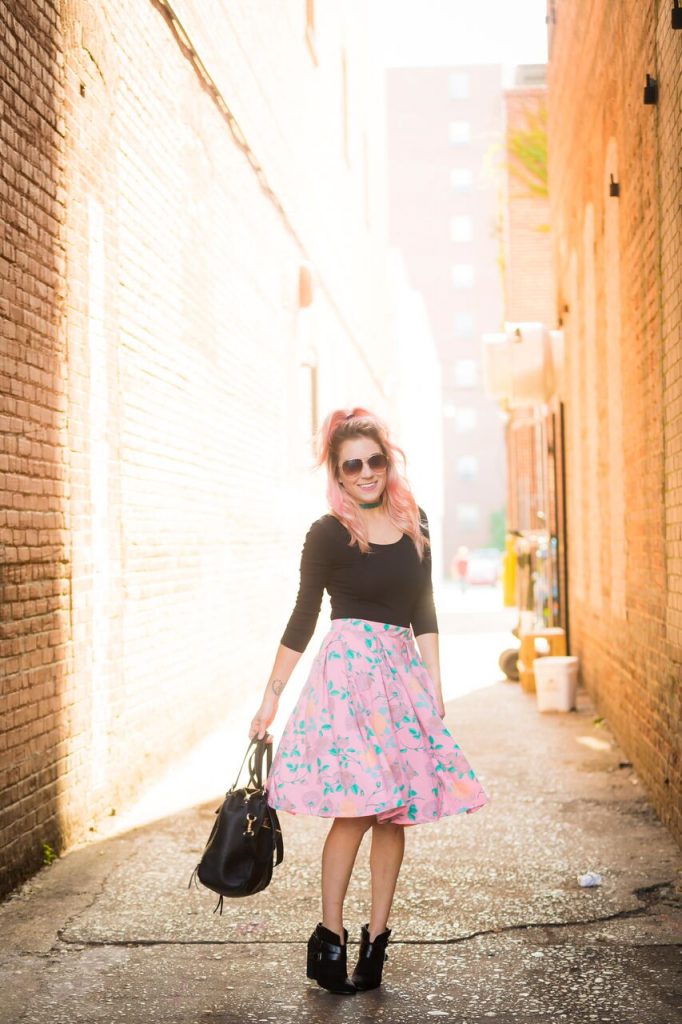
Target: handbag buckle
[{"x": 250, "y": 818}]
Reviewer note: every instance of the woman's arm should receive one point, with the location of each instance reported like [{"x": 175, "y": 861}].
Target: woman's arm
[
  {"x": 285, "y": 663},
  {"x": 300, "y": 627},
  {"x": 314, "y": 570},
  {"x": 428, "y": 648}
]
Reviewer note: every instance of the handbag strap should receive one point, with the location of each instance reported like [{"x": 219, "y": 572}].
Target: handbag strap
[
  {"x": 256, "y": 777},
  {"x": 261, "y": 747},
  {"x": 277, "y": 844}
]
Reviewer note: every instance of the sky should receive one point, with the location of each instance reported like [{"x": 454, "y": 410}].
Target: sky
[{"x": 427, "y": 33}]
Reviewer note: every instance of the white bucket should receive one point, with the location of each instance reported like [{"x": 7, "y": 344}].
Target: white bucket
[{"x": 556, "y": 682}]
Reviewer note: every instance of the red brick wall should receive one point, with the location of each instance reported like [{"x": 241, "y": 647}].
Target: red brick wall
[
  {"x": 155, "y": 412},
  {"x": 617, "y": 263},
  {"x": 35, "y": 606}
]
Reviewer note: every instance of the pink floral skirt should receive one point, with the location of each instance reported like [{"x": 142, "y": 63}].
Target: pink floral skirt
[{"x": 365, "y": 737}]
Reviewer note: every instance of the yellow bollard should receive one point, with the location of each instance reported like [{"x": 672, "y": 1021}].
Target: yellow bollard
[{"x": 509, "y": 574}]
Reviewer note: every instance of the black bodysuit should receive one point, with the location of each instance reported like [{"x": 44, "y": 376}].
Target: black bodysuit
[{"x": 388, "y": 584}]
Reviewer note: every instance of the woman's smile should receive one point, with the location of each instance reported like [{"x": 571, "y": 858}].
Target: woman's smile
[{"x": 362, "y": 469}]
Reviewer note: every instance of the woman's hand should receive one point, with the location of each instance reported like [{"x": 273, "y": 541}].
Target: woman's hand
[
  {"x": 264, "y": 717},
  {"x": 285, "y": 663}
]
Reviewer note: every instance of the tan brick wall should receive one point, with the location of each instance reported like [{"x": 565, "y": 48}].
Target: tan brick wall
[
  {"x": 155, "y": 411},
  {"x": 617, "y": 263}
]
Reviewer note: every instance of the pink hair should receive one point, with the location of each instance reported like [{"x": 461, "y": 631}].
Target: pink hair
[{"x": 342, "y": 425}]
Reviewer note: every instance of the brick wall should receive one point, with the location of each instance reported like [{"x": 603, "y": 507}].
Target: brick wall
[
  {"x": 618, "y": 291},
  {"x": 165, "y": 171}
]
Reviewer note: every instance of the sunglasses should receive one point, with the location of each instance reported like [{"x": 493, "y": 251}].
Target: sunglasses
[{"x": 353, "y": 467}]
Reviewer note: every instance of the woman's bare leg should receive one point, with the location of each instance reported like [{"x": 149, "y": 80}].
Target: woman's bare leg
[
  {"x": 338, "y": 857},
  {"x": 386, "y": 856}
]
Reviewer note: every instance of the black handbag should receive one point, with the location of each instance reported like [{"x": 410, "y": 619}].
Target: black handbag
[{"x": 246, "y": 840}]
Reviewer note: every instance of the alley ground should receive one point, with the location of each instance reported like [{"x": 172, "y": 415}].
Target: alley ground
[{"x": 490, "y": 924}]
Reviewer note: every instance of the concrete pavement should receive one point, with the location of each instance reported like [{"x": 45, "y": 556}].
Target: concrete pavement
[{"x": 489, "y": 924}]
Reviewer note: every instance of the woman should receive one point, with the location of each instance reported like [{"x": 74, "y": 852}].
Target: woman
[{"x": 365, "y": 744}]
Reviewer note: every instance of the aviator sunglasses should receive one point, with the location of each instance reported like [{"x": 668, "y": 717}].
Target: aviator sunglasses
[{"x": 353, "y": 467}]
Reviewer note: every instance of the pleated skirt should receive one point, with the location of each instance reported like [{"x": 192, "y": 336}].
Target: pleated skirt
[{"x": 365, "y": 737}]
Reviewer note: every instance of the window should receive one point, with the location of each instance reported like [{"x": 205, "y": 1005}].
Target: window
[
  {"x": 310, "y": 29},
  {"x": 459, "y": 85},
  {"x": 463, "y": 275},
  {"x": 466, "y": 373},
  {"x": 461, "y": 228},
  {"x": 465, "y": 419},
  {"x": 464, "y": 325},
  {"x": 344, "y": 107},
  {"x": 308, "y": 397},
  {"x": 459, "y": 132},
  {"x": 467, "y": 515},
  {"x": 365, "y": 178},
  {"x": 467, "y": 467},
  {"x": 461, "y": 179}
]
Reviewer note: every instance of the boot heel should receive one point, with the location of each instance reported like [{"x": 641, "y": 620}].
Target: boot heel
[
  {"x": 371, "y": 958},
  {"x": 313, "y": 949},
  {"x": 327, "y": 962}
]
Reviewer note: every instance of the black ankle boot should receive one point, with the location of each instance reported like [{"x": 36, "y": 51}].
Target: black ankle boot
[
  {"x": 327, "y": 961},
  {"x": 367, "y": 973}
]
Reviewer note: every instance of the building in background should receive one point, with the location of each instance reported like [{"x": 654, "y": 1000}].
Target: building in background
[
  {"x": 534, "y": 430},
  {"x": 193, "y": 272},
  {"x": 444, "y": 141},
  {"x": 528, "y": 279}
]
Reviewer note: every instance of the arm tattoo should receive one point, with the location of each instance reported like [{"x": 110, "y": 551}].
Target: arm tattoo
[{"x": 277, "y": 686}]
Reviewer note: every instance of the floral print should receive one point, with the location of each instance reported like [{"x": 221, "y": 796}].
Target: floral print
[{"x": 365, "y": 737}]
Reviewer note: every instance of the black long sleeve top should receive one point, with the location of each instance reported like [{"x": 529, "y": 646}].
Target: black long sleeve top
[{"x": 388, "y": 584}]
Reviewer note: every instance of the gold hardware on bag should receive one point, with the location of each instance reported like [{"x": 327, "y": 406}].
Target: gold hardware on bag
[{"x": 250, "y": 818}]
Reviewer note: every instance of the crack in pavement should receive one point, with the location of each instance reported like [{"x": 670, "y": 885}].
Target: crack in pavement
[
  {"x": 619, "y": 915},
  {"x": 648, "y": 895},
  {"x": 101, "y": 888}
]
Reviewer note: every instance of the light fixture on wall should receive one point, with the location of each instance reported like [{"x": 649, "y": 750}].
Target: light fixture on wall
[
  {"x": 676, "y": 14},
  {"x": 651, "y": 91},
  {"x": 614, "y": 187}
]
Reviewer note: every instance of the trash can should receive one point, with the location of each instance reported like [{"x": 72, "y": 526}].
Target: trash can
[{"x": 556, "y": 682}]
